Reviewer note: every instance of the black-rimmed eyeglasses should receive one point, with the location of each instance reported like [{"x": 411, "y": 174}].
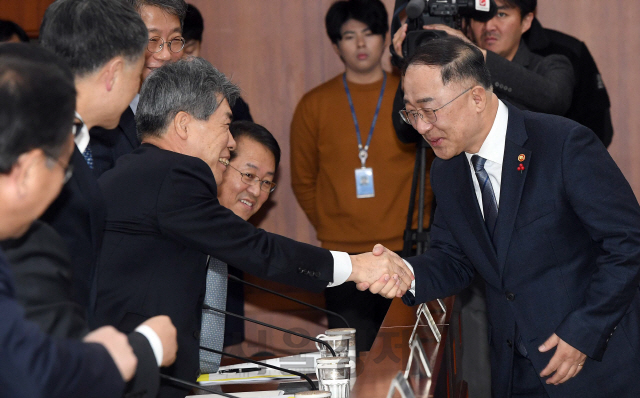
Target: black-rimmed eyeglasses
[
  {"x": 68, "y": 168},
  {"x": 156, "y": 44},
  {"x": 252, "y": 179},
  {"x": 426, "y": 114}
]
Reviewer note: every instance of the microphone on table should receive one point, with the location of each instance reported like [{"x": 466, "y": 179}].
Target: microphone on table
[
  {"x": 194, "y": 385},
  {"x": 315, "y": 307},
  {"x": 266, "y": 365},
  {"x": 324, "y": 343}
]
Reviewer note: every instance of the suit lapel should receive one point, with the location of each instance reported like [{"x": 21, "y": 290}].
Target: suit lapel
[
  {"x": 512, "y": 182},
  {"x": 128, "y": 126},
  {"x": 465, "y": 194}
]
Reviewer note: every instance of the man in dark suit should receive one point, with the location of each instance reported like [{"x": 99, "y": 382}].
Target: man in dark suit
[
  {"x": 535, "y": 205},
  {"x": 164, "y": 217},
  {"x": 37, "y": 102},
  {"x": 101, "y": 78}
]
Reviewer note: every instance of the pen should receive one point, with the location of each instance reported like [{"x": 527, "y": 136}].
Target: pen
[{"x": 240, "y": 370}]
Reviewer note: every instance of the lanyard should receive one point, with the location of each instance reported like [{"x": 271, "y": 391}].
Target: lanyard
[{"x": 363, "y": 152}]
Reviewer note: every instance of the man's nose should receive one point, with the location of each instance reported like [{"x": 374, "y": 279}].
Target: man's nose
[
  {"x": 231, "y": 143},
  {"x": 423, "y": 126},
  {"x": 255, "y": 189},
  {"x": 164, "y": 54},
  {"x": 360, "y": 40},
  {"x": 490, "y": 25}
]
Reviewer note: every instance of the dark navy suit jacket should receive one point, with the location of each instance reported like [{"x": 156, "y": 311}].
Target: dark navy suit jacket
[
  {"x": 34, "y": 365},
  {"x": 163, "y": 220},
  {"x": 566, "y": 258},
  {"x": 78, "y": 215}
]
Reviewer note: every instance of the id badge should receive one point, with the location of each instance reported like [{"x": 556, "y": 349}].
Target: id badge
[{"x": 364, "y": 183}]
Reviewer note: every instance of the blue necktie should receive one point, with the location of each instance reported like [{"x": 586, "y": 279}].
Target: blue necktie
[
  {"x": 88, "y": 156},
  {"x": 212, "y": 332},
  {"x": 489, "y": 203}
]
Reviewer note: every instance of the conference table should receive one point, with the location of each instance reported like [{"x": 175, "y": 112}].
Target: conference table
[{"x": 390, "y": 353}]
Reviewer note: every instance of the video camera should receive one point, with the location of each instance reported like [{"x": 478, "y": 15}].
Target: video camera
[{"x": 446, "y": 12}]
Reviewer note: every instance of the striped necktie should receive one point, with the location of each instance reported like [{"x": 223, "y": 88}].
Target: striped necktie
[
  {"x": 212, "y": 333},
  {"x": 489, "y": 203}
]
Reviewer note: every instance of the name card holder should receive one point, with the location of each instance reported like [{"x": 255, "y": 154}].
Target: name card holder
[
  {"x": 423, "y": 310},
  {"x": 400, "y": 384},
  {"x": 416, "y": 346}
]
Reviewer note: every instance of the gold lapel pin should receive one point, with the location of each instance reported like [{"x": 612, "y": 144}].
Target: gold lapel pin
[{"x": 521, "y": 157}]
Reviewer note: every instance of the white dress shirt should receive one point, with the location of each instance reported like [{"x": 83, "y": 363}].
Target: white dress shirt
[
  {"x": 492, "y": 149},
  {"x": 81, "y": 138}
]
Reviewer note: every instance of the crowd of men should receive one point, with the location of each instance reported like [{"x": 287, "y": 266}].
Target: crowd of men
[{"x": 126, "y": 183}]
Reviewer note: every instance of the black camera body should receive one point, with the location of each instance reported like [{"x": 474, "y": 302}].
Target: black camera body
[{"x": 445, "y": 12}]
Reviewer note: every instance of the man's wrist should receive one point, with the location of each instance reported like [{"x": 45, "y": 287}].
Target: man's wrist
[{"x": 154, "y": 341}]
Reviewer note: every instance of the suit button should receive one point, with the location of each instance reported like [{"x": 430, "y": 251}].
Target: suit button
[
  {"x": 510, "y": 296},
  {"x": 196, "y": 335},
  {"x": 510, "y": 343}
]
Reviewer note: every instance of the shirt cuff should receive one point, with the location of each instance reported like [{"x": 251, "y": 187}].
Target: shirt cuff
[
  {"x": 341, "y": 268},
  {"x": 154, "y": 341},
  {"x": 412, "y": 289}
]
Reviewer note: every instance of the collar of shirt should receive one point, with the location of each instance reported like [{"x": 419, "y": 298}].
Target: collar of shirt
[
  {"x": 134, "y": 103},
  {"x": 492, "y": 149},
  {"x": 81, "y": 138}
]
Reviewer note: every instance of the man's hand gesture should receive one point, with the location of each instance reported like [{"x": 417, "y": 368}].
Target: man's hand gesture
[{"x": 382, "y": 272}]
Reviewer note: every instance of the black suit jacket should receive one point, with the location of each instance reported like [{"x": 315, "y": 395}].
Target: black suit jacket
[
  {"x": 34, "y": 365},
  {"x": 108, "y": 145},
  {"x": 566, "y": 258},
  {"x": 163, "y": 220},
  {"x": 42, "y": 269},
  {"x": 78, "y": 215}
]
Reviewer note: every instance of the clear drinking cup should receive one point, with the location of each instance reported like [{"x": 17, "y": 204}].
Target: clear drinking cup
[
  {"x": 333, "y": 376},
  {"x": 339, "y": 343}
]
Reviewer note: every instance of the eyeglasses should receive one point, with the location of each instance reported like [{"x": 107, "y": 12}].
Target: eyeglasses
[
  {"x": 156, "y": 44},
  {"x": 426, "y": 114},
  {"x": 68, "y": 168},
  {"x": 252, "y": 179}
]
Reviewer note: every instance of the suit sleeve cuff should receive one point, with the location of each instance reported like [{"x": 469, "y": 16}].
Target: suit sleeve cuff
[
  {"x": 154, "y": 341},
  {"x": 412, "y": 289},
  {"x": 341, "y": 268}
]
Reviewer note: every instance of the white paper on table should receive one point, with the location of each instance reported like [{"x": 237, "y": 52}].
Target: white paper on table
[{"x": 241, "y": 378}]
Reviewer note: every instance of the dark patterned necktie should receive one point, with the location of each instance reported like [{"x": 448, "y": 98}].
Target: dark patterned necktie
[
  {"x": 212, "y": 333},
  {"x": 489, "y": 203}
]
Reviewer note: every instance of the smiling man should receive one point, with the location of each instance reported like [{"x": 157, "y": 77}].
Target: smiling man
[
  {"x": 163, "y": 20},
  {"x": 536, "y": 206},
  {"x": 245, "y": 187},
  {"x": 347, "y": 165},
  {"x": 165, "y": 221}
]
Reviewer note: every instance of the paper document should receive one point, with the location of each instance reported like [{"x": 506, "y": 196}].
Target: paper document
[
  {"x": 246, "y": 377},
  {"x": 303, "y": 363}
]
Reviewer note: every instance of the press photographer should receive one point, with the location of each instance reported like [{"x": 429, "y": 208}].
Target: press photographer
[{"x": 526, "y": 80}]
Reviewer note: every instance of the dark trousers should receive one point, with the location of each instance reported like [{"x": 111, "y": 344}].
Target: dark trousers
[
  {"x": 363, "y": 310},
  {"x": 525, "y": 380}
]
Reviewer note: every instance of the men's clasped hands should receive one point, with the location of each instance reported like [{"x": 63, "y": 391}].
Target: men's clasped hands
[{"x": 382, "y": 272}]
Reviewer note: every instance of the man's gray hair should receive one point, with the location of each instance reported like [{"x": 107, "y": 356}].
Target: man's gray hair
[{"x": 190, "y": 85}]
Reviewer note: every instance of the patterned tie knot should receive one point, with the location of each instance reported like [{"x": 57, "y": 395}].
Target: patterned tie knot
[{"x": 478, "y": 162}]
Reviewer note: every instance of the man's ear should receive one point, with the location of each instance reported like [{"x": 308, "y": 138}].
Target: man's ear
[
  {"x": 23, "y": 173},
  {"x": 181, "y": 124},
  {"x": 111, "y": 71},
  {"x": 525, "y": 25},
  {"x": 479, "y": 96}
]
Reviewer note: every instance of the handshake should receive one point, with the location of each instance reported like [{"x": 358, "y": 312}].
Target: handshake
[{"x": 382, "y": 271}]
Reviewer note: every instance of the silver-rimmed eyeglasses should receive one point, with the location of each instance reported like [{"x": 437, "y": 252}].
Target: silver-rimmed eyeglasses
[
  {"x": 252, "y": 179},
  {"x": 426, "y": 114},
  {"x": 156, "y": 44}
]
